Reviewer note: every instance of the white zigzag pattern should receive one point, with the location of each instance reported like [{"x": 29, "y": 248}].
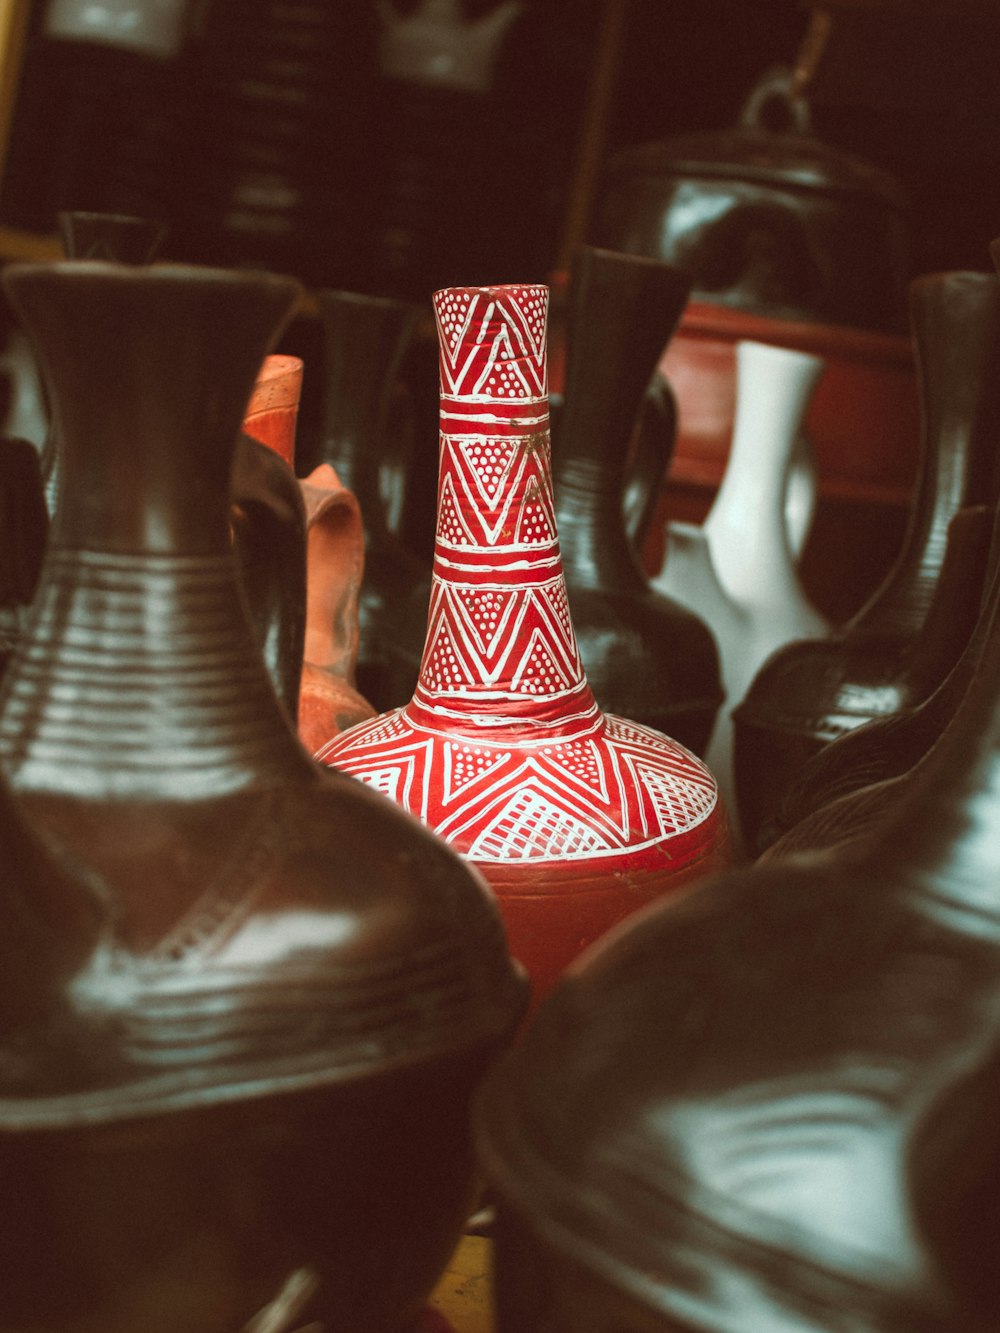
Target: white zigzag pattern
[
  {"x": 460, "y": 614},
  {"x": 529, "y": 824},
  {"x": 541, "y": 807},
  {"x": 548, "y": 781},
  {"x": 516, "y": 325},
  {"x": 452, "y": 638},
  {"x": 455, "y": 475}
]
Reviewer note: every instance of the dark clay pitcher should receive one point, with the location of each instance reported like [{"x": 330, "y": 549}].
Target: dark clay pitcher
[
  {"x": 258, "y": 1077},
  {"x": 773, "y": 1104},
  {"x": 364, "y": 340},
  {"x": 645, "y": 655},
  {"x": 888, "y": 747},
  {"x": 808, "y": 693}
]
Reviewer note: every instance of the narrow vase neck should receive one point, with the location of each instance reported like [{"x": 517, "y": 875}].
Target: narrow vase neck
[
  {"x": 364, "y": 339},
  {"x": 955, "y": 318},
  {"x": 139, "y": 675},
  {"x": 621, "y": 312},
  {"x": 746, "y": 525},
  {"x": 500, "y": 652}
]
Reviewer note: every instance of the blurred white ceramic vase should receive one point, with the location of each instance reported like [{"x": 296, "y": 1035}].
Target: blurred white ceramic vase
[{"x": 738, "y": 570}]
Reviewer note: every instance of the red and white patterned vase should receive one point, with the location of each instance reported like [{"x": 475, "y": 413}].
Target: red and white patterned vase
[{"x": 574, "y": 816}]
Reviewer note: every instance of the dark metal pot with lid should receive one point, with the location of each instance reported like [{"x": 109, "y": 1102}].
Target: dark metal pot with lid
[{"x": 765, "y": 216}]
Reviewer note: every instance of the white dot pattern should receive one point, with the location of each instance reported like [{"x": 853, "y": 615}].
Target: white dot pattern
[
  {"x": 535, "y": 525},
  {"x": 533, "y": 303},
  {"x": 485, "y": 609},
  {"x": 469, "y": 762},
  {"x": 452, "y": 310},
  {"x": 578, "y": 758},
  {"x": 443, "y": 670},
  {"x": 490, "y": 461},
  {"x": 559, "y": 602},
  {"x": 450, "y": 528}
]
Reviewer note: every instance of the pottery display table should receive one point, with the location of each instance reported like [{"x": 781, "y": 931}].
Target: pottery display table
[{"x": 462, "y": 1297}]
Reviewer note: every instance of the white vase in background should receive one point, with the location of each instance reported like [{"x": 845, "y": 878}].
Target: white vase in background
[{"x": 738, "y": 569}]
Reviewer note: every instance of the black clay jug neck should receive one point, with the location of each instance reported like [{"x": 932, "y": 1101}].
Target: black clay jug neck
[
  {"x": 139, "y": 675},
  {"x": 364, "y": 340},
  {"x": 955, "y": 323},
  {"x": 120, "y": 238},
  {"x": 117, "y": 238},
  {"x": 621, "y": 313}
]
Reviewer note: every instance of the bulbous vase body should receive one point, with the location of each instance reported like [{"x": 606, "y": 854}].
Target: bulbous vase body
[{"x": 574, "y": 816}]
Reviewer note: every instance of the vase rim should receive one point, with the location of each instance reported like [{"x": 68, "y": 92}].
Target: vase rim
[
  {"x": 162, "y": 271},
  {"x": 340, "y": 296},
  {"x": 491, "y": 289}
]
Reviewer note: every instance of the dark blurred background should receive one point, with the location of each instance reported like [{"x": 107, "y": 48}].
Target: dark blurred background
[{"x": 397, "y": 145}]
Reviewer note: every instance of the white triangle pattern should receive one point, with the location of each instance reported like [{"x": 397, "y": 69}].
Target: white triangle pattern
[
  {"x": 518, "y": 347},
  {"x": 536, "y": 523},
  {"x": 538, "y": 671},
  {"x": 680, "y": 803},
  {"x": 466, "y": 764},
  {"x": 489, "y": 461},
  {"x": 530, "y": 824}
]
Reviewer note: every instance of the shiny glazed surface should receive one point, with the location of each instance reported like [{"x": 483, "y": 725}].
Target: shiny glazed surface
[{"x": 256, "y": 1067}]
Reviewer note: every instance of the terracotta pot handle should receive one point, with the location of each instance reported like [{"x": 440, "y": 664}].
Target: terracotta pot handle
[{"x": 329, "y": 701}]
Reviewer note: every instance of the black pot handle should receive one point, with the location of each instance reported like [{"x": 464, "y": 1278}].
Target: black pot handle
[{"x": 774, "y": 89}]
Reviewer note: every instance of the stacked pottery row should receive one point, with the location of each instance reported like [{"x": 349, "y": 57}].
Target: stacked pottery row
[
  {"x": 248, "y": 998},
  {"x": 771, "y": 1104}
]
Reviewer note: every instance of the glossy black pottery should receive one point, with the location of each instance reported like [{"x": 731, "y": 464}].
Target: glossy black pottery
[{"x": 257, "y": 1074}]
